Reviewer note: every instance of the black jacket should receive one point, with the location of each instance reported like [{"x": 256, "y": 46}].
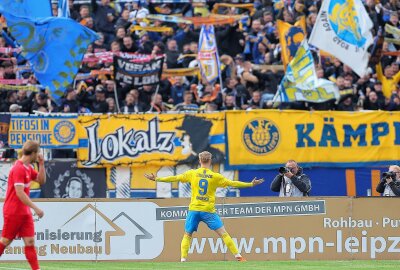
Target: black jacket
[{"x": 394, "y": 185}]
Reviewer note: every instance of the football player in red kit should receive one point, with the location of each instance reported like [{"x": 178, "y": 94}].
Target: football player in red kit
[{"x": 18, "y": 219}]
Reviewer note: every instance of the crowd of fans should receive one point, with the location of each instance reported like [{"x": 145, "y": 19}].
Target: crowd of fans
[{"x": 249, "y": 51}]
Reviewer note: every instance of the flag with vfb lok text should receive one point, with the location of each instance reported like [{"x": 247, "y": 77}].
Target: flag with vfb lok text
[
  {"x": 27, "y": 8},
  {"x": 137, "y": 72},
  {"x": 208, "y": 54},
  {"x": 343, "y": 29},
  {"x": 54, "y": 47},
  {"x": 301, "y": 82}
]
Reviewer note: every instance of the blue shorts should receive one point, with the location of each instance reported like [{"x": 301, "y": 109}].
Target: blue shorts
[{"x": 193, "y": 219}]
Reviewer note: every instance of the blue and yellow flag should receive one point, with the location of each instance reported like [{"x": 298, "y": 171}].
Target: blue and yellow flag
[
  {"x": 208, "y": 54},
  {"x": 54, "y": 47},
  {"x": 301, "y": 82},
  {"x": 290, "y": 38},
  {"x": 343, "y": 29},
  {"x": 27, "y": 8}
]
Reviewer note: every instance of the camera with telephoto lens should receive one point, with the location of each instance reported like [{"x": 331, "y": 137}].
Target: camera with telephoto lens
[
  {"x": 283, "y": 170},
  {"x": 387, "y": 175}
]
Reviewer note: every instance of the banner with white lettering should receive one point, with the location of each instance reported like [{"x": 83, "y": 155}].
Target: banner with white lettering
[
  {"x": 65, "y": 180},
  {"x": 142, "y": 140},
  {"x": 137, "y": 72}
]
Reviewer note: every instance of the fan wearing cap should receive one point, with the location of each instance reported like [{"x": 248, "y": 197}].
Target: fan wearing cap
[
  {"x": 15, "y": 108},
  {"x": 69, "y": 104},
  {"x": 99, "y": 103}
]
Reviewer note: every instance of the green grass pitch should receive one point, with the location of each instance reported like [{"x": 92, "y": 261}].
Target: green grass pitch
[{"x": 287, "y": 265}]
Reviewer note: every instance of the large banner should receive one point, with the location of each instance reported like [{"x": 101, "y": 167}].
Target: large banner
[
  {"x": 315, "y": 229},
  {"x": 142, "y": 140},
  {"x": 52, "y": 131},
  {"x": 137, "y": 72},
  {"x": 267, "y": 139},
  {"x": 65, "y": 180}
]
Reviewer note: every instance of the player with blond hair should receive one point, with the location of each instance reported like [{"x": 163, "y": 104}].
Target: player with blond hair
[
  {"x": 204, "y": 183},
  {"x": 18, "y": 220}
]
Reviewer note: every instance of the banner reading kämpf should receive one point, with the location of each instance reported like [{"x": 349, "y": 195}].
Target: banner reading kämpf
[{"x": 267, "y": 139}]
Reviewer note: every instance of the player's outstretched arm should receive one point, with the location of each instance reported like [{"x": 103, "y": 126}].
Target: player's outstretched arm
[
  {"x": 240, "y": 184},
  {"x": 257, "y": 182},
  {"x": 152, "y": 177}
]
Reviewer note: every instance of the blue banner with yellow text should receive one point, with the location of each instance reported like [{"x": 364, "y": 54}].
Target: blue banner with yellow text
[
  {"x": 267, "y": 139},
  {"x": 50, "y": 131}
]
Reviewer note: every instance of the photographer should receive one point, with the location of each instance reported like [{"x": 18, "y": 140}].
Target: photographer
[
  {"x": 291, "y": 182},
  {"x": 390, "y": 182}
]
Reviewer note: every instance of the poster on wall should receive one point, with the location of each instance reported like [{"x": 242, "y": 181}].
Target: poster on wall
[{"x": 65, "y": 180}]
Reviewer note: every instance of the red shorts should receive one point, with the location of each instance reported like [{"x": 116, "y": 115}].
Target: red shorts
[{"x": 18, "y": 226}]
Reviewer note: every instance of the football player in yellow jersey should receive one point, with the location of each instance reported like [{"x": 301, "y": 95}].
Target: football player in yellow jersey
[{"x": 204, "y": 183}]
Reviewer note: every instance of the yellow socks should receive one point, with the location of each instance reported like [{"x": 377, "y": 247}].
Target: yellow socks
[
  {"x": 185, "y": 246},
  {"x": 230, "y": 244}
]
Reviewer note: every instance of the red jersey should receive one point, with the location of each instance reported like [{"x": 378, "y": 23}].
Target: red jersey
[{"x": 20, "y": 174}]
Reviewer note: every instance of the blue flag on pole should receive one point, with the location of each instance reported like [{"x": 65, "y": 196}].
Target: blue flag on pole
[
  {"x": 54, "y": 47},
  {"x": 27, "y": 8}
]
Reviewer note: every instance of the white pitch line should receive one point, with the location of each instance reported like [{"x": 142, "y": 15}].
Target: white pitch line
[{"x": 12, "y": 268}]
